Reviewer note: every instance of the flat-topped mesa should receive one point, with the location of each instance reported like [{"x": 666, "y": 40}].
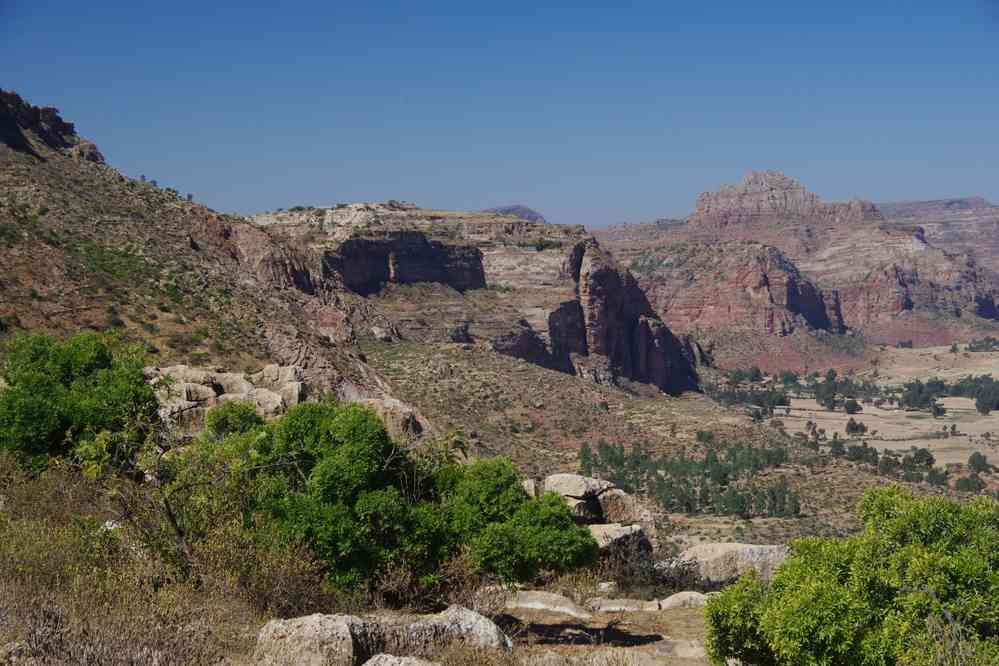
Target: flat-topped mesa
[
  {"x": 339, "y": 223},
  {"x": 22, "y": 123},
  {"x": 772, "y": 195}
]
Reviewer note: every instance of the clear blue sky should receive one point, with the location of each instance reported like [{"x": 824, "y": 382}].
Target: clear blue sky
[{"x": 591, "y": 113}]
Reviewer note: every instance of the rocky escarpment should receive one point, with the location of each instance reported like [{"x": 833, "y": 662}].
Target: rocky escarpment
[
  {"x": 968, "y": 225},
  {"x": 734, "y": 285},
  {"x": 22, "y": 125},
  {"x": 889, "y": 280},
  {"x": 405, "y": 257},
  {"x": 545, "y": 293}
]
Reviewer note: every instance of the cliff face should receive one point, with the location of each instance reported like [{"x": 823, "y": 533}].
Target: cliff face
[
  {"x": 736, "y": 286},
  {"x": 544, "y": 293},
  {"x": 968, "y": 225},
  {"x": 888, "y": 279}
]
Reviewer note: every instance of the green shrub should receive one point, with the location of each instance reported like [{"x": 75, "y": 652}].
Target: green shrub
[
  {"x": 231, "y": 418},
  {"x": 61, "y": 394},
  {"x": 540, "y": 537},
  {"x": 872, "y": 598}
]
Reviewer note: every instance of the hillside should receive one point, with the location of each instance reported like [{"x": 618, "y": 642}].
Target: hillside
[{"x": 85, "y": 247}]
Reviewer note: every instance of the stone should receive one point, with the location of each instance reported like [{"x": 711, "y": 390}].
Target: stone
[
  {"x": 607, "y": 587},
  {"x": 724, "y": 562},
  {"x": 548, "y": 602},
  {"x": 390, "y": 660},
  {"x": 530, "y": 487},
  {"x": 456, "y": 625},
  {"x": 318, "y": 640},
  {"x": 601, "y": 605},
  {"x": 687, "y": 599},
  {"x": 345, "y": 640},
  {"x": 576, "y": 486},
  {"x": 619, "y": 538}
]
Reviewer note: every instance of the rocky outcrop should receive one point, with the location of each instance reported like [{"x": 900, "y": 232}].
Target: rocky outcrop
[
  {"x": 622, "y": 333},
  {"x": 965, "y": 225},
  {"x": 766, "y": 195},
  {"x": 724, "y": 562},
  {"x": 346, "y": 640},
  {"x": 187, "y": 393},
  {"x": 405, "y": 257},
  {"x": 21, "y": 122},
  {"x": 734, "y": 285},
  {"x": 548, "y": 602},
  {"x": 624, "y": 540}
]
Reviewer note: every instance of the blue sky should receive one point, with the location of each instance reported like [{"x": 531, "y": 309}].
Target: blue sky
[{"x": 591, "y": 113}]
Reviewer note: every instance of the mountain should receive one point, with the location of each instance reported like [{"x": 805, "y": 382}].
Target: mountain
[
  {"x": 517, "y": 210},
  {"x": 363, "y": 300},
  {"x": 961, "y": 225},
  {"x": 888, "y": 281}
]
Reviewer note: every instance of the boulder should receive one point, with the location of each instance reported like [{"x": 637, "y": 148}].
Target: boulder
[
  {"x": 607, "y": 587},
  {"x": 456, "y": 625},
  {"x": 618, "y": 506},
  {"x": 683, "y": 600},
  {"x": 548, "y": 602},
  {"x": 616, "y": 538},
  {"x": 723, "y": 562},
  {"x": 581, "y": 493},
  {"x": 601, "y": 605},
  {"x": 345, "y": 640},
  {"x": 318, "y": 640},
  {"x": 390, "y": 660},
  {"x": 576, "y": 486}
]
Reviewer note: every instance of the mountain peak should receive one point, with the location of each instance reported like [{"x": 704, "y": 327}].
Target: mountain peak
[
  {"x": 27, "y": 128},
  {"x": 518, "y": 210}
]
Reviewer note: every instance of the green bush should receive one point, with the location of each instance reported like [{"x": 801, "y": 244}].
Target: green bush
[
  {"x": 330, "y": 476},
  {"x": 63, "y": 394},
  {"x": 540, "y": 536},
  {"x": 874, "y": 597},
  {"x": 230, "y": 418}
]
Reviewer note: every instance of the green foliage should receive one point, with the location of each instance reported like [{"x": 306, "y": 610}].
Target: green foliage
[
  {"x": 720, "y": 483},
  {"x": 872, "y": 598},
  {"x": 539, "y": 536},
  {"x": 978, "y": 462},
  {"x": 733, "y": 620},
  {"x": 851, "y": 406},
  {"x": 87, "y": 391},
  {"x": 330, "y": 477},
  {"x": 231, "y": 418}
]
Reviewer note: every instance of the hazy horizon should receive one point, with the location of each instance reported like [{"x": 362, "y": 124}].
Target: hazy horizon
[{"x": 586, "y": 114}]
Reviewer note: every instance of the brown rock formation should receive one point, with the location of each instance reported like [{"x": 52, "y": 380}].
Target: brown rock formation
[
  {"x": 734, "y": 285},
  {"x": 888, "y": 280}
]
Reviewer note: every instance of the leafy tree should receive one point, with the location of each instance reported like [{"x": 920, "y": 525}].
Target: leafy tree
[
  {"x": 978, "y": 463},
  {"x": 539, "y": 536},
  {"x": 871, "y": 598},
  {"x": 231, "y": 417},
  {"x": 87, "y": 392},
  {"x": 970, "y": 484},
  {"x": 854, "y": 427},
  {"x": 852, "y": 406}
]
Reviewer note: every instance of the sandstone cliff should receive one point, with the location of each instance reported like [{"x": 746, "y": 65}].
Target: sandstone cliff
[
  {"x": 963, "y": 225},
  {"x": 886, "y": 279},
  {"x": 544, "y": 293}
]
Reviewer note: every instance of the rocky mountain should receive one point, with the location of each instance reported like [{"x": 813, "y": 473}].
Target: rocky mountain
[
  {"x": 886, "y": 280},
  {"x": 963, "y": 225},
  {"x": 544, "y": 293},
  {"x": 320, "y": 292},
  {"x": 518, "y": 210}
]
